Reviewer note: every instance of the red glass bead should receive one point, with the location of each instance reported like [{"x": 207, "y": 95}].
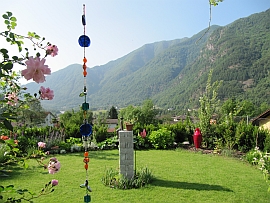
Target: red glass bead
[
  {"x": 86, "y": 160},
  {"x": 86, "y": 166}
]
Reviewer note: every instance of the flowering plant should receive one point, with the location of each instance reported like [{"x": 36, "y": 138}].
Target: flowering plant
[
  {"x": 11, "y": 92},
  {"x": 25, "y": 194},
  {"x": 13, "y": 99}
]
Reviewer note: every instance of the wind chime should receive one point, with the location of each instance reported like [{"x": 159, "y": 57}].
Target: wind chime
[{"x": 85, "y": 128}]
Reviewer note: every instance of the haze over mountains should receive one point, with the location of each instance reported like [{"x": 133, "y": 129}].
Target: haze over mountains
[{"x": 173, "y": 73}]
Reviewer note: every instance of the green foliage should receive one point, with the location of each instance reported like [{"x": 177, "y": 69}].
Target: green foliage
[
  {"x": 109, "y": 143},
  {"x": 262, "y": 160},
  {"x": 182, "y": 132},
  {"x": 3, "y": 150},
  {"x": 208, "y": 107},
  {"x": 10, "y": 194},
  {"x": 113, "y": 114},
  {"x": 162, "y": 138},
  {"x": 115, "y": 180},
  {"x": 246, "y": 136}
]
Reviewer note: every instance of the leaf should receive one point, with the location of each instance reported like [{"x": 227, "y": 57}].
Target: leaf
[
  {"x": 20, "y": 192},
  {"x": 5, "y": 16},
  {"x": 9, "y": 13},
  {"x": 4, "y": 51},
  {"x": 15, "y": 58},
  {"x": 13, "y": 19},
  {"x": 13, "y": 25},
  {"x": 8, "y": 125},
  {"x": 1, "y": 188},
  {"x": 11, "y": 35},
  {"x": 7, "y": 66},
  {"x": 37, "y": 36},
  {"x": 7, "y": 22},
  {"x": 9, "y": 187}
]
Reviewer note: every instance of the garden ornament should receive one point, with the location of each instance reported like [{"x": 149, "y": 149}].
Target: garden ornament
[{"x": 85, "y": 128}]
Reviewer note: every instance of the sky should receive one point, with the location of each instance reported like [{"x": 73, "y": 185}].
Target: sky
[{"x": 117, "y": 27}]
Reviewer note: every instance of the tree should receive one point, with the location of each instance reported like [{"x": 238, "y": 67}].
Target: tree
[
  {"x": 208, "y": 107},
  {"x": 113, "y": 114}
]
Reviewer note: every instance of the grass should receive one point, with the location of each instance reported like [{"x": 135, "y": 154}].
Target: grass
[{"x": 180, "y": 176}]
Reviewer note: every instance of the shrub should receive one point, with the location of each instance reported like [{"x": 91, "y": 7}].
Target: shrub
[
  {"x": 267, "y": 142},
  {"x": 162, "y": 138},
  {"x": 246, "y": 136},
  {"x": 113, "y": 179}
]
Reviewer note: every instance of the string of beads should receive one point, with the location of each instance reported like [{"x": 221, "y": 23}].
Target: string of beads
[{"x": 85, "y": 128}]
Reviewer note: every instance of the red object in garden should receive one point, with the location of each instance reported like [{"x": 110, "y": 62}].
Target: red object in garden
[
  {"x": 143, "y": 133},
  {"x": 197, "y": 138}
]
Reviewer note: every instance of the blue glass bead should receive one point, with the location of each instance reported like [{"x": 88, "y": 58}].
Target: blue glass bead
[
  {"x": 86, "y": 129},
  {"x": 87, "y": 198},
  {"x": 84, "y": 41}
]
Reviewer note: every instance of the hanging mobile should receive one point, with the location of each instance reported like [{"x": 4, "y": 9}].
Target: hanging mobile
[{"x": 85, "y": 128}]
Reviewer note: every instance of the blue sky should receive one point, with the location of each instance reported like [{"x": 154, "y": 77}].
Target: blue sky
[{"x": 117, "y": 27}]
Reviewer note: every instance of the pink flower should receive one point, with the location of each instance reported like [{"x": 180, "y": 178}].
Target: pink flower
[
  {"x": 46, "y": 93},
  {"x": 12, "y": 99},
  {"x": 143, "y": 133},
  {"x": 36, "y": 69},
  {"x": 54, "y": 166},
  {"x": 54, "y": 182},
  {"x": 52, "y": 50},
  {"x": 41, "y": 144}
]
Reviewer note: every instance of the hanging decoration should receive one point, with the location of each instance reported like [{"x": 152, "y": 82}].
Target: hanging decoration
[{"x": 85, "y": 128}]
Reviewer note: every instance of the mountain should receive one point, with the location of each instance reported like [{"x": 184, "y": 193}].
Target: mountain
[{"x": 173, "y": 73}]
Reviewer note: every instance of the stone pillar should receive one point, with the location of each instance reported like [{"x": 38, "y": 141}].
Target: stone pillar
[{"x": 126, "y": 154}]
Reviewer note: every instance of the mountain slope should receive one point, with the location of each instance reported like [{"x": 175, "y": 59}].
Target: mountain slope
[{"x": 174, "y": 73}]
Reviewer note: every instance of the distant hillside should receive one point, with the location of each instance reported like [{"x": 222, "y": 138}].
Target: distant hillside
[{"x": 173, "y": 73}]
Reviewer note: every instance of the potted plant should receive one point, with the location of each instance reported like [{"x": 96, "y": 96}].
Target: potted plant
[{"x": 129, "y": 126}]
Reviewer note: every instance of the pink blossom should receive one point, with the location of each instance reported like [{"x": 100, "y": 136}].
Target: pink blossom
[
  {"x": 52, "y": 50},
  {"x": 41, "y": 144},
  {"x": 54, "y": 166},
  {"x": 54, "y": 182},
  {"x": 36, "y": 69},
  {"x": 12, "y": 99},
  {"x": 46, "y": 93},
  {"x": 143, "y": 133}
]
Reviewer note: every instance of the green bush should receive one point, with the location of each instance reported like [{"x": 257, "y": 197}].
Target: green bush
[
  {"x": 101, "y": 133},
  {"x": 115, "y": 180},
  {"x": 246, "y": 137},
  {"x": 162, "y": 138},
  {"x": 267, "y": 141}
]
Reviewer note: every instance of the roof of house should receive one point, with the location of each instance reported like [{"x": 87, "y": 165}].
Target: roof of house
[
  {"x": 112, "y": 121},
  {"x": 263, "y": 115}
]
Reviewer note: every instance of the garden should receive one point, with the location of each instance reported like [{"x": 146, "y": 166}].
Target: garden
[{"x": 46, "y": 164}]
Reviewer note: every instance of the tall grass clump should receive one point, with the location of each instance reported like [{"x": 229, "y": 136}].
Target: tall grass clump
[{"x": 113, "y": 179}]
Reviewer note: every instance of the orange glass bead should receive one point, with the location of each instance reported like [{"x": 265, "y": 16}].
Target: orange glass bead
[
  {"x": 84, "y": 67},
  {"x": 86, "y": 166},
  {"x": 85, "y": 154},
  {"x": 84, "y": 73},
  {"x": 86, "y": 160},
  {"x": 84, "y": 60}
]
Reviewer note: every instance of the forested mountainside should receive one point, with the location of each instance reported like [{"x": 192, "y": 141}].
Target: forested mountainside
[{"x": 173, "y": 73}]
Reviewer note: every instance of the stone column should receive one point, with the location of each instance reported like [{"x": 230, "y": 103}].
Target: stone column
[{"x": 126, "y": 154}]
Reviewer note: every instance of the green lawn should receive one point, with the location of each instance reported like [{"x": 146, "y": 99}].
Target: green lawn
[{"x": 181, "y": 176}]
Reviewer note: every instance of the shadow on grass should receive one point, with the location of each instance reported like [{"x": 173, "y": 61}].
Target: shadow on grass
[{"x": 187, "y": 185}]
